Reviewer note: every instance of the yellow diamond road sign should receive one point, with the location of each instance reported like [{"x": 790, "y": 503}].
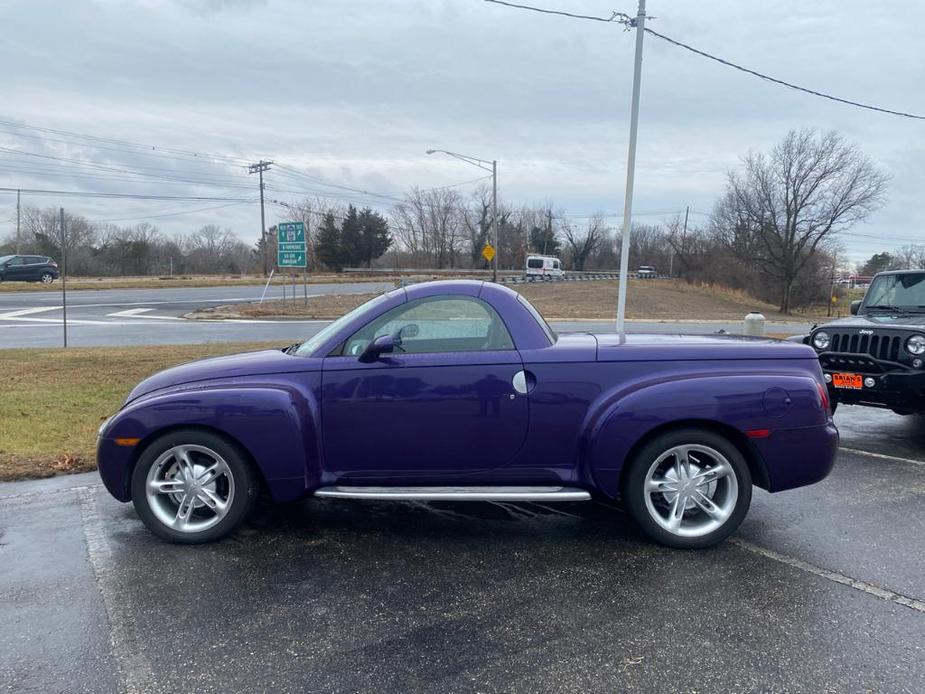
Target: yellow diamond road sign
[{"x": 488, "y": 252}]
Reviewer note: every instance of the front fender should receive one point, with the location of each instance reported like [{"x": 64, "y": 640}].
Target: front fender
[
  {"x": 274, "y": 423},
  {"x": 625, "y": 416}
]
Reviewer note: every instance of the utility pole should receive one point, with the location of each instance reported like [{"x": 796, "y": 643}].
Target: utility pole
[
  {"x": 548, "y": 230},
  {"x": 18, "y": 241},
  {"x": 630, "y": 168},
  {"x": 63, "y": 275},
  {"x": 687, "y": 211},
  {"x": 494, "y": 218},
  {"x": 259, "y": 168}
]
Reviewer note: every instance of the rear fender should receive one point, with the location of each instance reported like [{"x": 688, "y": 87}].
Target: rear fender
[
  {"x": 275, "y": 424},
  {"x": 625, "y": 416}
]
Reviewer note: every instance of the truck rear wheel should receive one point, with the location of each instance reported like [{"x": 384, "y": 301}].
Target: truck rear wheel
[{"x": 688, "y": 488}]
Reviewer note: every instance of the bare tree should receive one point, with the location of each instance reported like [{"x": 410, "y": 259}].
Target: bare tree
[
  {"x": 777, "y": 211},
  {"x": 429, "y": 224},
  {"x": 583, "y": 242}
]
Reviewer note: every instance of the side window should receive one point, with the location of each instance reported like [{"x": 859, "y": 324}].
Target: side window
[
  {"x": 18, "y": 260},
  {"x": 436, "y": 324},
  {"x": 34, "y": 260}
]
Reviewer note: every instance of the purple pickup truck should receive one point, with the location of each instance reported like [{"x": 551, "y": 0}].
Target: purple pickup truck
[{"x": 459, "y": 390}]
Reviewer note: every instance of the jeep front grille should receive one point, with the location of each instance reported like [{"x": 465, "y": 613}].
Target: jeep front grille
[{"x": 885, "y": 347}]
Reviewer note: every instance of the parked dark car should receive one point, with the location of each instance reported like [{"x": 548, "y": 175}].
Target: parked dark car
[
  {"x": 459, "y": 390},
  {"x": 28, "y": 268},
  {"x": 877, "y": 356}
]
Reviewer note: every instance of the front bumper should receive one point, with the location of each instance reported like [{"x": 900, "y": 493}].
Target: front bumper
[
  {"x": 901, "y": 390},
  {"x": 114, "y": 463}
]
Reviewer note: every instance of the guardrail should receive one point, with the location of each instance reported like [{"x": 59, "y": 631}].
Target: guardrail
[{"x": 574, "y": 277}]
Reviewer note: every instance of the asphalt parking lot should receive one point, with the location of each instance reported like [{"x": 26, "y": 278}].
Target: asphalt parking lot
[{"x": 822, "y": 589}]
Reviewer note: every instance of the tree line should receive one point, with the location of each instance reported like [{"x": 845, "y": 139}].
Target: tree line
[{"x": 774, "y": 231}]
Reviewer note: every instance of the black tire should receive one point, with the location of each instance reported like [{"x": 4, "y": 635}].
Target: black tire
[
  {"x": 246, "y": 485},
  {"x": 634, "y": 495},
  {"x": 47, "y": 278}
]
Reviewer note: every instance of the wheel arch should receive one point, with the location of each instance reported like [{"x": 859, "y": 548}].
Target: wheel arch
[
  {"x": 756, "y": 465},
  {"x": 153, "y": 436}
]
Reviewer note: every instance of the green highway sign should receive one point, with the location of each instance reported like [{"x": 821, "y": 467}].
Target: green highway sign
[
  {"x": 290, "y": 232},
  {"x": 290, "y": 242},
  {"x": 291, "y": 258}
]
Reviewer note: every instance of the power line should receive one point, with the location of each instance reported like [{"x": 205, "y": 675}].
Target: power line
[
  {"x": 614, "y": 16},
  {"x": 789, "y": 85},
  {"x": 127, "y": 196},
  {"x": 112, "y": 141},
  {"x": 170, "y": 214},
  {"x": 627, "y": 21}
]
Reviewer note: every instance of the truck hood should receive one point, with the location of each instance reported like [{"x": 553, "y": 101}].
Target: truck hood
[
  {"x": 879, "y": 320},
  {"x": 270, "y": 361},
  {"x": 672, "y": 347}
]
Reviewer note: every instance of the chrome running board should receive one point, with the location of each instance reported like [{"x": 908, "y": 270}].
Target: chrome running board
[{"x": 456, "y": 493}]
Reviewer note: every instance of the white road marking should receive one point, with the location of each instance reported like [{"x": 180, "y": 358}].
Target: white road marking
[
  {"x": 834, "y": 576},
  {"x": 27, "y": 311},
  {"x": 858, "y": 451},
  {"x": 137, "y": 313},
  {"x": 135, "y": 670}
]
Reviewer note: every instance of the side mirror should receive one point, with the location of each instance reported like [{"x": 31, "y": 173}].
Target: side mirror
[
  {"x": 381, "y": 345},
  {"x": 855, "y": 305}
]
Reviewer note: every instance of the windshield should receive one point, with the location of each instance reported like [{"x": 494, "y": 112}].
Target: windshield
[
  {"x": 4, "y": 258},
  {"x": 306, "y": 349},
  {"x": 903, "y": 291}
]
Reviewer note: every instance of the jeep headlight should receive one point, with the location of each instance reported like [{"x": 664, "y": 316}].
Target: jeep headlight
[
  {"x": 915, "y": 345},
  {"x": 821, "y": 340}
]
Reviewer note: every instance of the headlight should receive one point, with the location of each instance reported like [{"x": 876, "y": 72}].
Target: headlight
[
  {"x": 915, "y": 345},
  {"x": 821, "y": 340}
]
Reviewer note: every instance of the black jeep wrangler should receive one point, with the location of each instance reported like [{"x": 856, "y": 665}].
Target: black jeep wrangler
[{"x": 877, "y": 357}]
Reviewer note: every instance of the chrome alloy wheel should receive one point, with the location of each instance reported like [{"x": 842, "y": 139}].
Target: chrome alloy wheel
[
  {"x": 189, "y": 488},
  {"x": 691, "y": 490}
]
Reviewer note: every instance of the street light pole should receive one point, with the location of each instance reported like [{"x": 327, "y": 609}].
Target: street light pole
[
  {"x": 494, "y": 218},
  {"x": 484, "y": 165},
  {"x": 630, "y": 169}
]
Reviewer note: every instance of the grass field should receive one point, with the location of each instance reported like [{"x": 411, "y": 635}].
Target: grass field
[
  {"x": 646, "y": 299},
  {"x": 54, "y": 400},
  {"x": 188, "y": 281}
]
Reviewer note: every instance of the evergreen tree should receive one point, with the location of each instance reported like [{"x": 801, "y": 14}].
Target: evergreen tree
[
  {"x": 328, "y": 246},
  {"x": 374, "y": 236},
  {"x": 542, "y": 241},
  {"x": 351, "y": 238}
]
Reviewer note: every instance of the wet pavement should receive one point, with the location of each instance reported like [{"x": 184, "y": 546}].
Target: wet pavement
[{"x": 822, "y": 589}]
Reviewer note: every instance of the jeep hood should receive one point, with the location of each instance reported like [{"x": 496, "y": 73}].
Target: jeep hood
[{"x": 877, "y": 320}]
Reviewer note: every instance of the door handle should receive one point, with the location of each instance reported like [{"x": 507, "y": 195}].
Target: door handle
[{"x": 523, "y": 382}]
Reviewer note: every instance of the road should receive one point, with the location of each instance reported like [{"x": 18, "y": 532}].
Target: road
[
  {"x": 154, "y": 316},
  {"x": 822, "y": 589}
]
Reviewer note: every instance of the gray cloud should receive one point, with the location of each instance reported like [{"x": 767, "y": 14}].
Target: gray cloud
[{"x": 356, "y": 91}]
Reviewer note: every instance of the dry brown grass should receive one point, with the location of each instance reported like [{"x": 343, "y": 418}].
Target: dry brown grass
[
  {"x": 324, "y": 307},
  {"x": 646, "y": 299},
  {"x": 54, "y": 400}
]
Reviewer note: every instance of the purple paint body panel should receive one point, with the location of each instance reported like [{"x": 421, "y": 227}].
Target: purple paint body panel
[{"x": 319, "y": 416}]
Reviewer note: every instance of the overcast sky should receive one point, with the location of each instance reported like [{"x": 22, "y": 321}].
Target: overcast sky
[{"x": 353, "y": 92}]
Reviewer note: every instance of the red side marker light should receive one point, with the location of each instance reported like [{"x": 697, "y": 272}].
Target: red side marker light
[{"x": 758, "y": 433}]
